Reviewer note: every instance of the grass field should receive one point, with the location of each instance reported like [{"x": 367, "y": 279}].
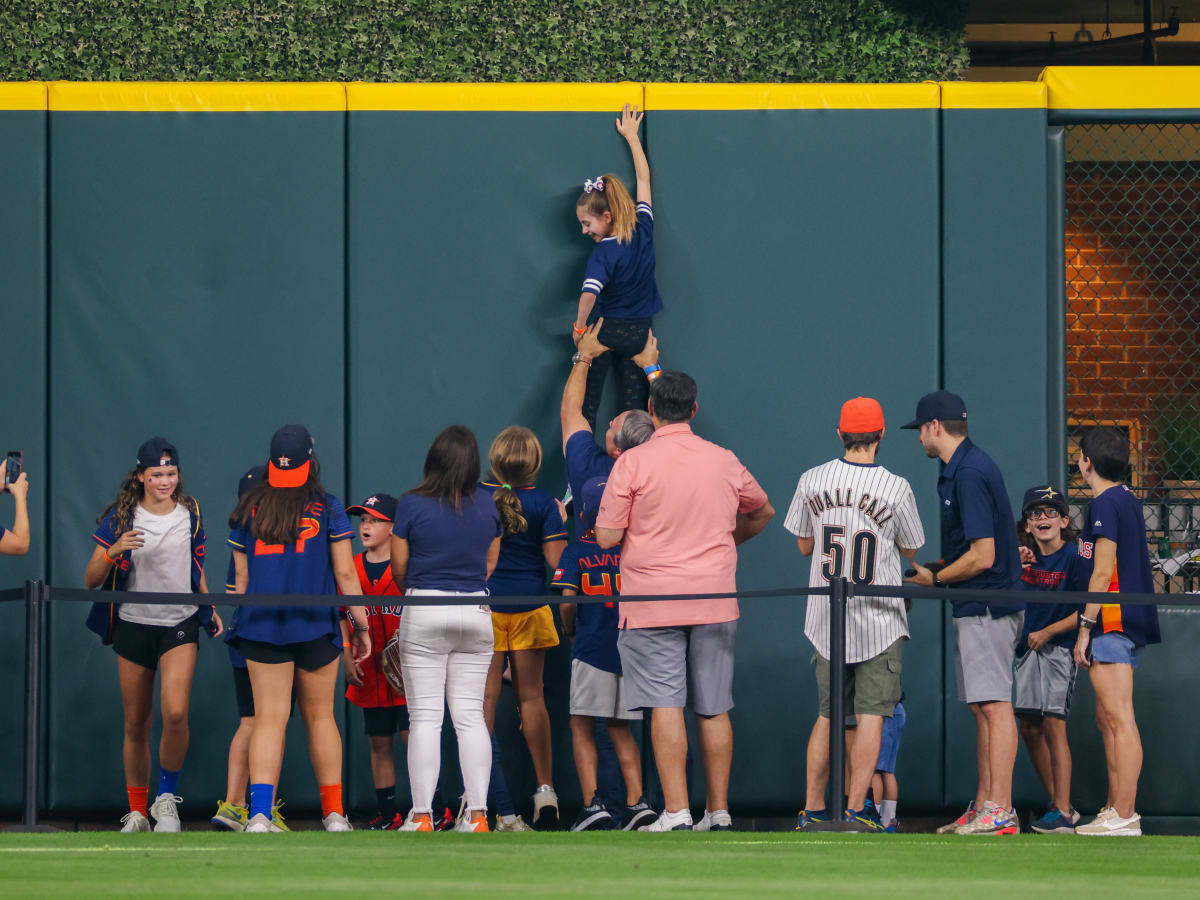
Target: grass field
[{"x": 773, "y": 864}]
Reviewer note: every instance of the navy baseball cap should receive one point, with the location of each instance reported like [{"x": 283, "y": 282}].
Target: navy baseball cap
[
  {"x": 1044, "y": 495},
  {"x": 377, "y": 506},
  {"x": 590, "y": 496},
  {"x": 157, "y": 451},
  {"x": 291, "y": 455},
  {"x": 941, "y": 405},
  {"x": 253, "y": 478}
]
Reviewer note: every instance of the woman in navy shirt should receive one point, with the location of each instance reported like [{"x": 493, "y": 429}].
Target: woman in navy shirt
[
  {"x": 292, "y": 537},
  {"x": 445, "y": 542}
]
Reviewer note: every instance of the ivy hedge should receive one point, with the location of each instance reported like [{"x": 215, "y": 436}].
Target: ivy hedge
[{"x": 482, "y": 40}]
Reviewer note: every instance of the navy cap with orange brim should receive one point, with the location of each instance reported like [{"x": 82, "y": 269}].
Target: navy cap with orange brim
[
  {"x": 377, "y": 506},
  {"x": 291, "y": 457}
]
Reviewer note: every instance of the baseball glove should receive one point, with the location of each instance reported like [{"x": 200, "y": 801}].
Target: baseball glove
[{"x": 390, "y": 661}]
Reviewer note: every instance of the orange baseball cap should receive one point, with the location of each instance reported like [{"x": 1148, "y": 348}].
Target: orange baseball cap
[{"x": 862, "y": 415}]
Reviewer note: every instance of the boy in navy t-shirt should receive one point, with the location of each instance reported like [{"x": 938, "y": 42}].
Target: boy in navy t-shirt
[
  {"x": 1112, "y": 635},
  {"x": 597, "y": 685},
  {"x": 1045, "y": 670}
]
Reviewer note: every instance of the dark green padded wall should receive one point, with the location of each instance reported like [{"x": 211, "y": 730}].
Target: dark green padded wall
[
  {"x": 198, "y": 286},
  {"x": 465, "y": 266},
  {"x": 798, "y": 260},
  {"x": 23, "y": 409}
]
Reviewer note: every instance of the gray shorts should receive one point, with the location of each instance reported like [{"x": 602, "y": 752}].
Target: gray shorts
[
  {"x": 984, "y": 657},
  {"x": 677, "y": 666},
  {"x": 1044, "y": 682},
  {"x": 597, "y": 693}
]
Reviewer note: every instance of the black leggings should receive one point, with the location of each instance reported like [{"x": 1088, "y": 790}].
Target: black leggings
[{"x": 625, "y": 338}]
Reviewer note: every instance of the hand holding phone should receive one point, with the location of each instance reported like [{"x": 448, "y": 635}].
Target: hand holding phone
[{"x": 13, "y": 463}]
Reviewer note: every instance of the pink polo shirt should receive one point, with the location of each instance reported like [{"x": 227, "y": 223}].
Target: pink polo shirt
[{"x": 678, "y": 497}]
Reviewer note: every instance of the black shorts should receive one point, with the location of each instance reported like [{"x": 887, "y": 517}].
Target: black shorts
[
  {"x": 308, "y": 655},
  {"x": 144, "y": 644},
  {"x": 245, "y": 694},
  {"x": 384, "y": 721}
]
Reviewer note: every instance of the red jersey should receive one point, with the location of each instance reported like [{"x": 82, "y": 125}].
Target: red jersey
[{"x": 383, "y": 621}]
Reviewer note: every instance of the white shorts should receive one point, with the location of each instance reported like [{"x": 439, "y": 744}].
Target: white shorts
[{"x": 600, "y": 694}]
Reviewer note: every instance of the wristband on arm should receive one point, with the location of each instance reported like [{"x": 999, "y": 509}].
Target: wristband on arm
[{"x": 652, "y": 372}]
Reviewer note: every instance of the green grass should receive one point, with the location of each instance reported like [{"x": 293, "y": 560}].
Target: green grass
[{"x": 773, "y": 864}]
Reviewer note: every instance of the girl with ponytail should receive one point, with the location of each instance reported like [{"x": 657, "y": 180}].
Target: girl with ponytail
[
  {"x": 534, "y": 537},
  {"x": 619, "y": 288}
]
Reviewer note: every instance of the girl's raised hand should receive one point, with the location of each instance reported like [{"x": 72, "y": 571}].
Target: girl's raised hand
[{"x": 629, "y": 122}]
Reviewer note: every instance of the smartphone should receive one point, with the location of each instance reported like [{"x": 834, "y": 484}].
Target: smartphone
[
  {"x": 566, "y": 498},
  {"x": 12, "y": 466}
]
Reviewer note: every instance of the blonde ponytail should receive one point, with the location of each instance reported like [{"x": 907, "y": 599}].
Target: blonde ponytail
[
  {"x": 613, "y": 198},
  {"x": 515, "y": 458}
]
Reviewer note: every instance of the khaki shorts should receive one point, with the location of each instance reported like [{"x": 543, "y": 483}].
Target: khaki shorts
[
  {"x": 533, "y": 630},
  {"x": 872, "y": 686}
]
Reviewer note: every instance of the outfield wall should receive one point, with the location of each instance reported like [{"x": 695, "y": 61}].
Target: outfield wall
[{"x": 209, "y": 261}]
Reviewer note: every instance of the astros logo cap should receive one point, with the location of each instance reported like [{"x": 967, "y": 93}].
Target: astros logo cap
[
  {"x": 157, "y": 451},
  {"x": 253, "y": 478},
  {"x": 862, "y": 415},
  {"x": 1044, "y": 495},
  {"x": 590, "y": 496},
  {"x": 291, "y": 457},
  {"x": 377, "y": 506}
]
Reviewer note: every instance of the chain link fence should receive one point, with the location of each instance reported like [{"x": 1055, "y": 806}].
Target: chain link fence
[{"x": 1133, "y": 320}]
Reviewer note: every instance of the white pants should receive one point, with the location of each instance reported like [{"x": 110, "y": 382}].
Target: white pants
[{"x": 445, "y": 655}]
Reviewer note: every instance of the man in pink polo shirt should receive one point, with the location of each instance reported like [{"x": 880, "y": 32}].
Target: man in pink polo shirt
[{"x": 680, "y": 505}]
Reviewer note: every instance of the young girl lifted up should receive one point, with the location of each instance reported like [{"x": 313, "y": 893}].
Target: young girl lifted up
[{"x": 619, "y": 284}]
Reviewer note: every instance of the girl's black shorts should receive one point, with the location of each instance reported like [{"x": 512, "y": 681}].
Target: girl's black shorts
[{"x": 145, "y": 644}]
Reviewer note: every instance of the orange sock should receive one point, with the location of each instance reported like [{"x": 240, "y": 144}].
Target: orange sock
[
  {"x": 331, "y": 799},
  {"x": 138, "y": 798}
]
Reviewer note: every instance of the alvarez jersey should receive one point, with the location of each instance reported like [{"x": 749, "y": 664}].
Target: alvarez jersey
[{"x": 856, "y": 514}]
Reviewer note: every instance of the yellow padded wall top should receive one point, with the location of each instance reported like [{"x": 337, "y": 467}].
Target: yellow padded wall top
[
  {"x": 511, "y": 97},
  {"x": 202, "y": 96}
]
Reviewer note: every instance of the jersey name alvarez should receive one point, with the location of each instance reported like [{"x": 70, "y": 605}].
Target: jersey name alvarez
[{"x": 856, "y": 514}]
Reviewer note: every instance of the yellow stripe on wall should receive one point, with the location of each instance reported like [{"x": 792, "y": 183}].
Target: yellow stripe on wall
[
  {"x": 1122, "y": 87},
  {"x": 512, "y": 97},
  {"x": 792, "y": 96},
  {"x": 22, "y": 95},
  {"x": 202, "y": 96},
  {"x": 993, "y": 95}
]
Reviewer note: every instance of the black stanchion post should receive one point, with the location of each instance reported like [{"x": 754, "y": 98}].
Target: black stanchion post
[
  {"x": 35, "y": 606},
  {"x": 838, "y": 594}
]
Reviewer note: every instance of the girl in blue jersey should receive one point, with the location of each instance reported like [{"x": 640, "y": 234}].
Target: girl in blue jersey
[
  {"x": 445, "y": 541},
  {"x": 619, "y": 284},
  {"x": 289, "y": 536},
  {"x": 151, "y": 538},
  {"x": 535, "y": 536}
]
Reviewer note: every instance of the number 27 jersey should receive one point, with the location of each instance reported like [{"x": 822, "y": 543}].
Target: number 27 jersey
[{"x": 856, "y": 514}]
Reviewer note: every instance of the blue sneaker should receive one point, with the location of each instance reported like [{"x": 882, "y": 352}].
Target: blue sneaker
[
  {"x": 804, "y": 817},
  {"x": 1053, "y": 822},
  {"x": 892, "y": 827},
  {"x": 866, "y": 819}
]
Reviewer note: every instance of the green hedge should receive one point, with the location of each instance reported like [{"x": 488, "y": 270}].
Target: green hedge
[{"x": 481, "y": 40}]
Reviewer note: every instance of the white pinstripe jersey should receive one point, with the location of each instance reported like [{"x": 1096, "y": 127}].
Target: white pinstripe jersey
[{"x": 857, "y": 515}]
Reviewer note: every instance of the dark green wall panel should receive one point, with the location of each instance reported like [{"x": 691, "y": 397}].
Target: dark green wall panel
[
  {"x": 23, "y": 407},
  {"x": 198, "y": 285}
]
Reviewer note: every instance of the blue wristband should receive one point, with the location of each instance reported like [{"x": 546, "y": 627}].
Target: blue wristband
[{"x": 649, "y": 370}]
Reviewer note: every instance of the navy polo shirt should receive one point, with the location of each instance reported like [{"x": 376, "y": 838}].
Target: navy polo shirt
[
  {"x": 585, "y": 460},
  {"x": 974, "y": 505},
  {"x": 447, "y": 550},
  {"x": 521, "y": 568}
]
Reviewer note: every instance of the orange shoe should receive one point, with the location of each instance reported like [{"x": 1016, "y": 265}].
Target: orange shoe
[
  {"x": 418, "y": 822},
  {"x": 476, "y": 822}
]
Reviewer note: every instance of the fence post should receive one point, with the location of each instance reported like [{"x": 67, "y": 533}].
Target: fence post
[
  {"x": 837, "y": 696},
  {"x": 35, "y": 606}
]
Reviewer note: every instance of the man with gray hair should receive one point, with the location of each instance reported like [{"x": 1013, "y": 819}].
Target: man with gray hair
[{"x": 627, "y": 429}]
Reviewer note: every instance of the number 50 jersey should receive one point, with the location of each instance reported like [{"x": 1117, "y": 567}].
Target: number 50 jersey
[{"x": 857, "y": 514}]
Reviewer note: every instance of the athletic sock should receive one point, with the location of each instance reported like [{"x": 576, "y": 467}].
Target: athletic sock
[
  {"x": 168, "y": 782},
  {"x": 507, "y": 820},
  {"x": 138, "y": 799},
  {"x": 262, "y": 796},
  {"x": 331, "y": 799},
  {"x": 385, "y": 799},
  {"x": 887, "y": 812}
]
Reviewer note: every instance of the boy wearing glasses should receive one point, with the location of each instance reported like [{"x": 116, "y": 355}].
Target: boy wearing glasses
[{"x": 1045, "y": 672}]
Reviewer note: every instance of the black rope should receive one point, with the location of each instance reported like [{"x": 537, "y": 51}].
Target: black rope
[{"x": 12, "y": 594}]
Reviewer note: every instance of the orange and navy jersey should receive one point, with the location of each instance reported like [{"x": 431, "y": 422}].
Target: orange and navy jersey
[
  {"x": 1117, "y": 515},
  {"x": 586, "y": 568},
  {"x": 382, "y": 622}
]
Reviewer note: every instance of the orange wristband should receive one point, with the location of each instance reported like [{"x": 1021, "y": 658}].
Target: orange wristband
[
  {"x": 577, "y": 329},
  {"x": 111, "y": 561}
]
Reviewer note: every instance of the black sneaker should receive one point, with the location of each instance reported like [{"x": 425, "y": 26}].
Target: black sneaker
[
  {"x": 445, "y": 821},
  {"x": 382, "y": 823},
  {"x": 545, "y": 809},
  {"x": 594, "y": 817},
  {"x": 638, "y": 815}
]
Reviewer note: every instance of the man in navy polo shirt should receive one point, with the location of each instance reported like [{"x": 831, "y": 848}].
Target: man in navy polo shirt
[{"x": 979, "y": 544}]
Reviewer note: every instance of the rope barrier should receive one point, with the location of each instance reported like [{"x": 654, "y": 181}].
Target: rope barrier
[{"x": 12, "y": 594}]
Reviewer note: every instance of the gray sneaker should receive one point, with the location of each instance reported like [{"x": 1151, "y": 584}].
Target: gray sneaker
[
  {"x": 517, "y": 824},
  {"x": 966, "y": 818},
  {"x": 260, "y": 824},
  {"x": 134, "y": 821},
  {"x": 336, "y": 822},
  {"x": 165, "y": 810}
]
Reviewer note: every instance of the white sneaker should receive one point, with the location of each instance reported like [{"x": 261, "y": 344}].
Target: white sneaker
[
  {"x": 260, "y": 824},
  {"x": 336, "y": 822},
  {"x": 545, "y": 809},
  {"x": 134, "y": 821},
  {"x": 671, "y": 821},
  {"x": 165, "y": 811},
  {"x": 472, "y": 823},
  {"x": 417, "y": 821},
  {"x": 1113, "y": 826},
  {"x": 714, "y": 820}
]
